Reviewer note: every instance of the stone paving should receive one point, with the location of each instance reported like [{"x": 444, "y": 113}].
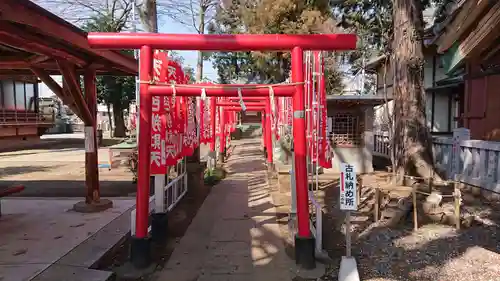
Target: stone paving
[
  {"x": 38, "y": 233},
  {"x": 235, "y": 235}
]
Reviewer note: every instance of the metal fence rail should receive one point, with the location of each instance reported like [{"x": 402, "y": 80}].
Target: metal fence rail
[
  {"x": 316, "y": 222},
  {"x": 168, "y": 193}
]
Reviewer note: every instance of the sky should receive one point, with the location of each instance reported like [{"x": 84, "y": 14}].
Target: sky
[{"x": 167, "y": 25}]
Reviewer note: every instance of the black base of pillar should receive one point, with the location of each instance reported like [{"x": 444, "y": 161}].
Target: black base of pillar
[
  {"x": 140, "y": 252},
  {"x": 304, "y": 252},
  {"x": 159, "y": 227}
]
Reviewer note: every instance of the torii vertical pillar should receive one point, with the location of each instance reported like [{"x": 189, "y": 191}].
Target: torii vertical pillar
[
  {"x": 222, "y": 135},
  {"x": 213, "y": 153},
  {"x": 268, "y": 139},
  {"x": 263, "y": 125},
  {"x": 140, "y": 252},
  {"x": 304, "y": 241}
]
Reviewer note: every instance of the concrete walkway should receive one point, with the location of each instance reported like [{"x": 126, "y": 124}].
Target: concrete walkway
[{"x": 235, "y": 235}]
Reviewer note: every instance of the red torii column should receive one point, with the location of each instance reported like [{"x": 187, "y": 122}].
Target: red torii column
[
  {"x": 222, "y": 135},
  {"x": 304, "y": 242},
  {"x": 263, "y": 124},
  {"x": 266, "y": 128}
]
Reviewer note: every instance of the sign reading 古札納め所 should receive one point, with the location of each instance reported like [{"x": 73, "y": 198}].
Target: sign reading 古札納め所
[{"x": 348, "y": 200}]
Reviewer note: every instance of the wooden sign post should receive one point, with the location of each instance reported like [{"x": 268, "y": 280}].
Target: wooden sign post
[{"x": 348, "y": 203}]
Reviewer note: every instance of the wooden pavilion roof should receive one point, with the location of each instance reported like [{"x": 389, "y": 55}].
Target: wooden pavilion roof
[{"x": 31, "y": 36}]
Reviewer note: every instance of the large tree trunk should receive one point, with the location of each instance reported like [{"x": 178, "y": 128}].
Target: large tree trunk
[
  {"x": 201, "y": 30},
  {"x": 120, "y": 128},
  {"x": 108, "y": 107},
  {"x": 148, "y": 15},
  {"x": 412, "y": 139}
]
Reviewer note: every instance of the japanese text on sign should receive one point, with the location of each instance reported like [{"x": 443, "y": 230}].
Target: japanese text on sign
[
  {"x": 157, "y": 161},
  {"x": 348, "y": 200}
]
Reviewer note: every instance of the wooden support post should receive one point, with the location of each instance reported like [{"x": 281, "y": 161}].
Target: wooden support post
[
  {"x": 415, "y": 214},
  {"x": 93, "y": 202},
  {"x": 431, "y": 180},
  {"x": 376, "y": 207},
  {"x": 72, "y": 82},
  {"x": 56, "y": 89},
  {"x": 348, "y": 242},
  {"x": 458, "y": 198},
  {"x": 360, "y": 185},
  {"x": 91, "y": 149}
]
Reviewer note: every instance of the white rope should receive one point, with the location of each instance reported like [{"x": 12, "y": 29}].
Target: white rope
[
  {"x": 271, "y": 99},
  {"x": 242, "y": 103},
  {"x": 174, "y": 92},
  {"x": 203, "y": 94}
]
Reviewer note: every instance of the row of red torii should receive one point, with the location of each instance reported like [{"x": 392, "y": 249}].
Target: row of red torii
[{"x": 158, "y": 99}]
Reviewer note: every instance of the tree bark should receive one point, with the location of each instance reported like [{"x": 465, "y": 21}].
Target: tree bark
[
  {"x": 412, "y": 139},
  {"x": 108, "y": 107},
  {"x": 120, "y": 129},
  {"x": 389, "y": 117},
  {"x": 201, "y": 30},
  {"x": 149, "y": 15}
]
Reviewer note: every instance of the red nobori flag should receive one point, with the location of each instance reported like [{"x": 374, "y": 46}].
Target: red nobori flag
[
  {"x": 204, "y": 119},
  {"x": 204, "y": 115},
  {"x": 190, "y": 138},
  {"x": 325, "y": 153},
  {"x": 167, "y": 71},
  {"x": 158, "y": 164},
  {"x": 158, "y": 119}
]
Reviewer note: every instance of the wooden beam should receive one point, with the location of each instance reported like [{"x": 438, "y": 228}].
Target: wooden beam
[
  {"x": 20, "y": 39},
  {"x": 71, "y": 79},
  {"x": 462, "y": 22},
  {"x": 30, "y": 78},
  {"x": 55, "y": 88},
  {"x": 37, "y": 59},
  {"x": 483, "y": 35},
  {"x": 491, "y": 53},
  {"x": 26, "y": 13},
  {"x": 22, "y": 64}
]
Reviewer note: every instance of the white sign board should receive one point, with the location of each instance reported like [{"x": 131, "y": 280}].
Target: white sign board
[
  {"x": 89, "y": 139},
  {"x": 348, "y": 200}
]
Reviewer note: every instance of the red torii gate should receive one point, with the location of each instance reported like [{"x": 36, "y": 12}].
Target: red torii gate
[
  {"x": 146, "y": 42},
  {"x": 258, "y": 105}
]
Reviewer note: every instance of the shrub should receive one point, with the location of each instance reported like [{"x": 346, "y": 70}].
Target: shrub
[{"x": 213, "y": 176}]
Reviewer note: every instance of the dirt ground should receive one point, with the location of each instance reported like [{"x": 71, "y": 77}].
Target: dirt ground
[
  {"x": 434, "y": 252},
  {"x": 57, "y": 169}
]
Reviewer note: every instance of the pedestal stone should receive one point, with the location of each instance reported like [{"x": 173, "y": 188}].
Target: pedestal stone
[{"x": 94, "y": 207}]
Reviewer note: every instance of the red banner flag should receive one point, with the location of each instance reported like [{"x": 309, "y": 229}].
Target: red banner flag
[
  {"x": 325, "y": 153},
  {"x": 158, "y": 120},
  {"x": 174, "y": 121},
  {"x": 190, "y": 138}
]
